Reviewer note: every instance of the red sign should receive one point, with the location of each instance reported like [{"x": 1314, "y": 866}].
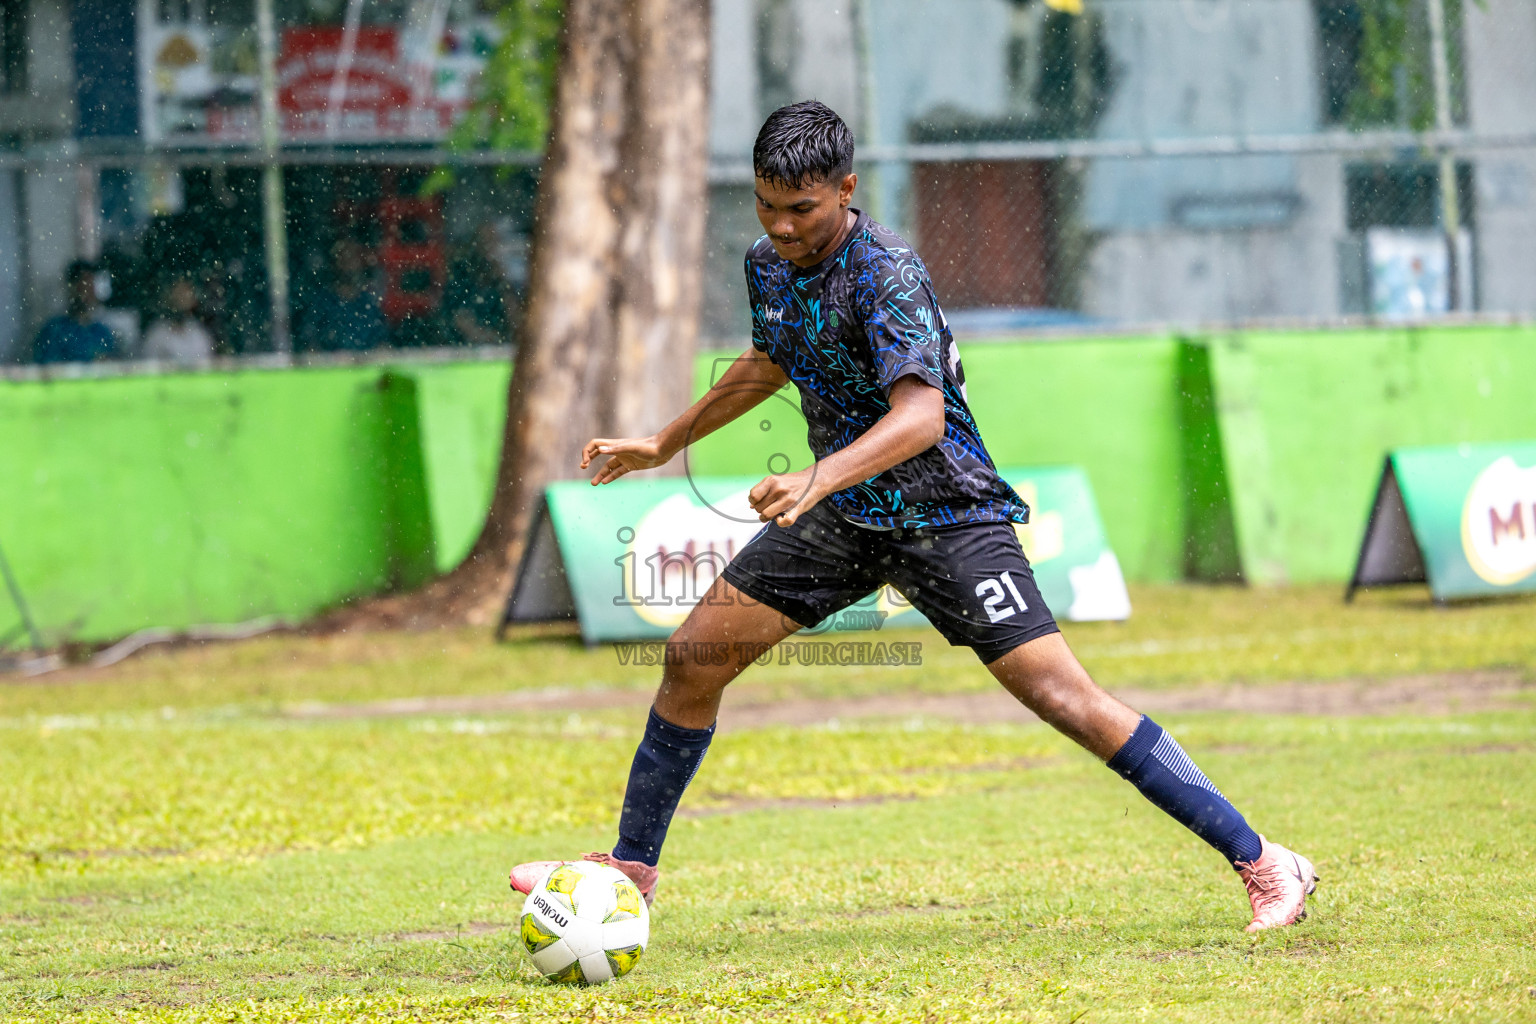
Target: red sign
[{"x": 384, "y": 96}]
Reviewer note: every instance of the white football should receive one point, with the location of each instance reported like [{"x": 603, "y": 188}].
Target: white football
[{"x": 585, "y": 923}]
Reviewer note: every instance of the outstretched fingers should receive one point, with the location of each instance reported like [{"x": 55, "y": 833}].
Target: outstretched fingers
[{"x": 612, "y": 470}]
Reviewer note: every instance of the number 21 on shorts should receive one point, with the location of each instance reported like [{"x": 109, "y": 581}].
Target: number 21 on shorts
[{"x": 995, "y": 601}]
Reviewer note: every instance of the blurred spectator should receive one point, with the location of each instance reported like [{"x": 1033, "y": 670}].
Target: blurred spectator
[
  {"x": 345, "y": 316},
  {"x": 179, "y": 337},
  {"x": 77, "y": 336},
  {"x": 480, "y": 301}
]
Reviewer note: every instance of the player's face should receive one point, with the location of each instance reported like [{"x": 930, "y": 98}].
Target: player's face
[{"x": 802, "y": 223}]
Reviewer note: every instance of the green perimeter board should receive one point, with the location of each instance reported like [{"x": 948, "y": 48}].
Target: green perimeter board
[
  {"x": 173, "y": 500},
  {"x": 1305, "y": 420},
  {"x": 1473, "y": 513},
  {"x": 462, "y": 413},
  {"x": 626, "y": 547},
  {"x": 182, "y": 499},
  {"x": 1111, "y": 406}
]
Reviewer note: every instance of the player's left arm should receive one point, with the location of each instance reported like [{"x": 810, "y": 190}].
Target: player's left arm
[{"x": 914, "y": 424}]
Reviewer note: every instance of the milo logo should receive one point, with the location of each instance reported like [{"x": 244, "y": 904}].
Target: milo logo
[
  {"x": 1498, "y": 523},
  {"x": 546, "y": 908}
]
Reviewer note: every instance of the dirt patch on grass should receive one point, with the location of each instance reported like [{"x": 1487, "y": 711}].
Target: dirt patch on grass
[
  {"x": 471, "y": 929},
  {"x": 554, "y": 698},
  {"x": 1411, "y": 695},
  {"x": 924, "y": 909},
  {"x": 1437, "y": 694},
  {"x": 1434, "y": 694},
  {"x": 154, "y": 965},
  {"x": 740, "y": 806}
]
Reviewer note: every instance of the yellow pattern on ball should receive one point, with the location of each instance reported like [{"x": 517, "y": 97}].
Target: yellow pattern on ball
[
  {"x": 562, "y": 882},
  {"x": 627, "y": 898},
  {"x": 623, "y": 960},
  {"x": 535, "y": 937}
]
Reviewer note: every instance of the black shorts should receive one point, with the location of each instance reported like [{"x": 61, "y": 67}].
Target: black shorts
[{"x": 972, "y": 581}]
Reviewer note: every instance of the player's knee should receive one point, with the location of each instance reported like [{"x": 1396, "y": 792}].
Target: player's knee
[
  {"x": 695, "y": 673},
  {"x": 1052, "y": 699},
  {"x": 1060, "y": 698}
]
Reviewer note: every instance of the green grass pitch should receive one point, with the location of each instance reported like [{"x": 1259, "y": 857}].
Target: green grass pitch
[{"x": 218, "y": 834}]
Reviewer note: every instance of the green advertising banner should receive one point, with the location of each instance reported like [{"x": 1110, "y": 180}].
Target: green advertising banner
[
  {"x": 1462, "y": 518},
  {"x": 629, "y": 560}
]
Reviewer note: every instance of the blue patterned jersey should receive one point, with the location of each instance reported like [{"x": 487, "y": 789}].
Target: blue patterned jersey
[{"x": 847, "y": 329}]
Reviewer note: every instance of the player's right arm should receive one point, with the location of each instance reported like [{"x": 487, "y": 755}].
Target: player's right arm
[{"x": 744, "y": 385}]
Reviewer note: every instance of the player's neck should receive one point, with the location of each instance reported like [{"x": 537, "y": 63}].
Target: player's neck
[{"x": 819, "y": 256}]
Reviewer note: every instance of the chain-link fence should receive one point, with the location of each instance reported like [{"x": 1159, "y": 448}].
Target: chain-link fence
[
  {"x": 168, "y": 263},
  {"x": 1193, "y": 163},
  {"x": 1309, "y": 231},
  {"x": 1139, "y": 164}
]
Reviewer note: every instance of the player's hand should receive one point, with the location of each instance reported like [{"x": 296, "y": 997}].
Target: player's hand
[
  {"x": 784, "y": 497},
  {"x": 619, "y": 455}
]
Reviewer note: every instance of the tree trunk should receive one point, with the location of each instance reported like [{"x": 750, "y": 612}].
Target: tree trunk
[
  {"x": 567, "y": 336},
  {"x": 661, "y": 252},
  {"x": 612, "y": 318}
]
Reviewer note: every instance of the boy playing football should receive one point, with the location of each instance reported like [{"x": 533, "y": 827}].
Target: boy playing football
[{"x": 902, "y": 492}]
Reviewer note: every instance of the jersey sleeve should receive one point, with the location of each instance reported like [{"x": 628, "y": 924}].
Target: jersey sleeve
[{"x": 902, "y": 319}]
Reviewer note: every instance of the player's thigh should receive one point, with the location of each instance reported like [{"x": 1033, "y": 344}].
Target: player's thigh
[
  {"x": 808, "y": 571},
  {"x": 725, "y": 632},
  {"x": 973, "y": 583}
]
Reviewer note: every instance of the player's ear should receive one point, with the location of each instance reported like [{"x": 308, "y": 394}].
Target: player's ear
[{"x": 845, "y": 190}]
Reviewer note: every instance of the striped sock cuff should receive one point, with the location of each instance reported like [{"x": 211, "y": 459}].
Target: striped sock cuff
[{"x": 1171, "y": 756}]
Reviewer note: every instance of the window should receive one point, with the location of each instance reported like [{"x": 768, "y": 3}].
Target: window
[
  {"x": 1402, "y": 195},
  {"x": 13, "y": 47},
  {"x": 1374, "y": 63}
]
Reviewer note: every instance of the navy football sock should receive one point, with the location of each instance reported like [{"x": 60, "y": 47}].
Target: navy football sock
[
  {"x": 664, "y": 764},
  {"x": 1154, "y": 763}
]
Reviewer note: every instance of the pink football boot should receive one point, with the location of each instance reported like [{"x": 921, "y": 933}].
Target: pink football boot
[
  {"x": 1279, "y": 883},
  {"x": 525, "y": 876}
]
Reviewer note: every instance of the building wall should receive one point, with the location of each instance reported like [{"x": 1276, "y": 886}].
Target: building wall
[
  {"x": 734, "y": 117},
  {"x": 49, "y": 191},
  {"x": 12, "y": 272},
  {"x": 724, "y": 320},
  {"x": 1500, "y": 41},
  {"x": 1197, "y": 239},
  {"x": 733, "y": 96}
]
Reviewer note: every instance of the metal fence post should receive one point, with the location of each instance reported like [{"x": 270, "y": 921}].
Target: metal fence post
[
  {"x": 274, "y": 209},
  {"x": 1450, "y": 203}
]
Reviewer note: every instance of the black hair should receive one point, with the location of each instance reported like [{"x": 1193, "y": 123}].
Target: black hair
[
  {"x": 803, "y": 144},
  {"x": 78, "y": 269}
]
